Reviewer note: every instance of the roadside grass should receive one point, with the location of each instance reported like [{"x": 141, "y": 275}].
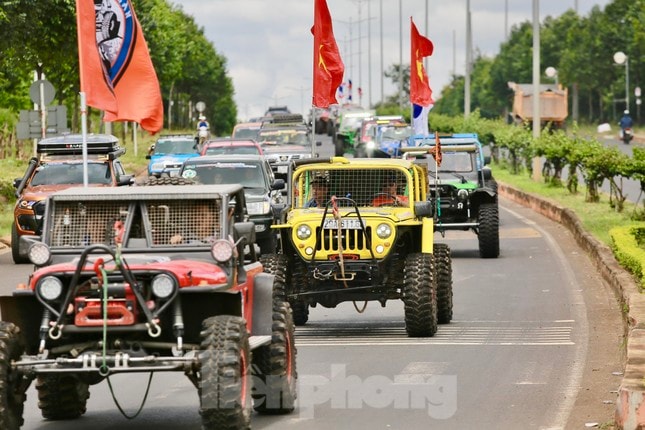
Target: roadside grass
[{"x": 597, "y": 218}]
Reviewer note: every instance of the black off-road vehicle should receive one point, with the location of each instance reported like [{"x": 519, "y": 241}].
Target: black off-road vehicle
[
  {"x": 148, "y": 279},
  {"x": 462, "y": 187},
  {"x": 368, "y": 236}
]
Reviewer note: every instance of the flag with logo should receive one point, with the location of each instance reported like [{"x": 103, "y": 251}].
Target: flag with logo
[
  {"x": 328, "y": 66},
  {"x": 117, "y": 75},
  {"x": 420, "y": 92}
]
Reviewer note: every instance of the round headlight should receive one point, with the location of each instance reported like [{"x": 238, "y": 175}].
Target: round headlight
[
  {"x": 50, "y": 288},
  {"x": 163, "y": 286},
  {"x": 39, "y": 254},
  {"x": 222, "y": 251},
  {"x": 370, "y": 144},
  {"x": 303, "y": 232},
  {"x": 462, "y": 194},
  {"x": 383, "y": 231}
]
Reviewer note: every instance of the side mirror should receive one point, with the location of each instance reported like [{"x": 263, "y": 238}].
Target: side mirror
[
  {"x": 486, "y": 159},
  {"x": 488, "y": 174},
  {"x": 278, "y": 184},
  {"x": 244, "y": 230},
  {"x": 125, "y": 180},
  {"x": 148, "y": 157},
  {"x": 424, "y": 209},
  {"x": 16, "y": 182}
]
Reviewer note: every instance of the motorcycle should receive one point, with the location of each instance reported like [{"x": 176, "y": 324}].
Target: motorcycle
[{"x": 627, "y": 135}]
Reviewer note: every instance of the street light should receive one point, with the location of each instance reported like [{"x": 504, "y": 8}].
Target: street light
[
  {"x": 621, "y": 58},
  {"x": 552, "y": 72}
]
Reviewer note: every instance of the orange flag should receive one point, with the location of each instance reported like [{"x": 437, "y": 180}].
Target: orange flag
[
  {"x": 116, "y": 71},
  {"x": 420, "y": 92},
  {"x": 328, "y": 66}
]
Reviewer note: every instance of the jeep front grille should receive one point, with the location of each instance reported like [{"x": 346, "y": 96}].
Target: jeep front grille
[{"x": 352, "y": 240}]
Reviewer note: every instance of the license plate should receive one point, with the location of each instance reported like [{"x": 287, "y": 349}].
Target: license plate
[
  {"x": 345, "y": 224},
  {"x": 283, "y": 169}
]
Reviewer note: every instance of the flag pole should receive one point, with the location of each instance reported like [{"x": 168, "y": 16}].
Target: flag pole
[
  {"x": 84, "y": 134},
  {"x": 313, "y": 131}
]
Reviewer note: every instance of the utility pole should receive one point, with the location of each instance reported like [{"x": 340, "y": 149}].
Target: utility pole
[
  {"x": 400, "y": 55},
  {"x": 537, "y": 173},
  {"x": 468, "y": 62}
]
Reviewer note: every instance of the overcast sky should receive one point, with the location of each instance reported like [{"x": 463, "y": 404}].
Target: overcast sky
[{"x": 269, "y": 47}]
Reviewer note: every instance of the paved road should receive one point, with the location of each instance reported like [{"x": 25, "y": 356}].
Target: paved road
[{"x": 533, "y": 344}]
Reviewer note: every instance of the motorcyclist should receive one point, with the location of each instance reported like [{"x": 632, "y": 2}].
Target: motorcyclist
[
  {"x": 625, "y": 122},
  {"x": 203, "y": 129}
]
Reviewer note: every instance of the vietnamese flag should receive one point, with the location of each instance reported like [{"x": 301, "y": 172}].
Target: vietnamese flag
[
  {"x": 328, "y": 66},
  {"x": 116, "y": 71},
  {"x": 420, "y": 92}
]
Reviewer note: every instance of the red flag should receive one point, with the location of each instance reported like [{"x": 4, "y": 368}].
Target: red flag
[
  {"x": 436, "y": 151},
  {"x": 116, "y": 71},
  {"x": 328, "y": 66},
  {"x": 420, "y": 92}
]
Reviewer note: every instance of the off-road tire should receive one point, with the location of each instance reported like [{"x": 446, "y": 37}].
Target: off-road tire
[
  {"x": 339, "y": 146},
  {"x": 15, "y": 240},
  {"x": 61, "y": 397},
  {"x": 488, "y": 219},
  {"x": 299, "y": 282},
  {"x": 12, "y": 398},
  {"x": 277, "y": 265},
  {"x": 275, "y": 363},
  {"x": 443, "y": 274},
  {"x": 224, "y": 385},
  {"x": 294, "y": 279},
  {"x": 420, "y": 295},
  {"x": 167, "y": 180}
]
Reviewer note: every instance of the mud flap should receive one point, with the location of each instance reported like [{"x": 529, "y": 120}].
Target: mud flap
[{"x": 262, "y": 319}]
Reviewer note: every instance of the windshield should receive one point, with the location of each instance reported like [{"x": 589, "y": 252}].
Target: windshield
[
  {"x": 395, "y": 132},
  {"x": 249, "y": 175},
  {"x": 456, "y": 162},
  {"x": 283, "y": 137},
  {"x": 71, "y": 173},
  {"x": 245, "y": 133},
  {"x": 365, "y": 187},
  {"x": 175, "y": 147}
]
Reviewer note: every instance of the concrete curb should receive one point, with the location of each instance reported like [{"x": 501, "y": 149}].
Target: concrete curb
[{"x": 630, "y": 404}]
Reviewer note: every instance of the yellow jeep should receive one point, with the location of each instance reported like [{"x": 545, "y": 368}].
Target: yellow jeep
[{"x": 361, "y": 230}]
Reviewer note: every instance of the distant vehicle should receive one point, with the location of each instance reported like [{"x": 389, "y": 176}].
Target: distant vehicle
[
  {"x": 59, "y": 165},
  {"x": 285, "y": 139},
  {"x": 382, "y": 136},
  {"x": 169, "y": 152},
  {"x": 261, "y": 188},
  {"x": 277, "y": 110},
  {"x": 348, "y": 127},
  {"x": 246, "y": 130},
  {"x": 232, "y": 146},
  {"x": 554, "y": 106}
]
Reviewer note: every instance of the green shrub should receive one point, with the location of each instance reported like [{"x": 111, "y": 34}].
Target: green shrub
[{"x": 628, "y": 252}]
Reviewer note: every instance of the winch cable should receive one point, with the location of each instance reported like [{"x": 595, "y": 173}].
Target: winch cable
[
  {"x": 336, "y": 213},
  {"x": 101, "y": 271}
]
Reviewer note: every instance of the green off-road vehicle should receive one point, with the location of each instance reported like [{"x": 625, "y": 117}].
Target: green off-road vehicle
[
  {"x": 462, "y": 187},
  {"x": 362, "y": 230}
]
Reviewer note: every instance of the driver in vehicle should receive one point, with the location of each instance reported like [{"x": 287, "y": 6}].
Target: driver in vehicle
[
  {"x": 319, "y": 192},
  {"x": 389, "y": 194}
]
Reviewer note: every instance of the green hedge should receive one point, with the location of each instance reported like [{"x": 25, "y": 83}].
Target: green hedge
[{"x": 627, "y": 246}]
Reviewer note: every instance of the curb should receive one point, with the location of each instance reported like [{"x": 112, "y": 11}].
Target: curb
[{"x": 630, "y": 404}]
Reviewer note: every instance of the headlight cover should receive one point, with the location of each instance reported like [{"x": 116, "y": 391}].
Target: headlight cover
[
  {"x": 258, "y": 208},
  {"x": 383, "y": 231},
  {"x": 222, "y": 250},
  {"x": 163, "y": 286},
  {"x": 50, "y": 288},
  {"x": 39, "y": 254},
  {"x": 303, "y": 232}
]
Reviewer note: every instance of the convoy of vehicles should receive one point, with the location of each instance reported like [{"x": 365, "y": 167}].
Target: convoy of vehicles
[
  {"x": 148, "y": 279},
  {"x": 382, "y": 136},
  {"x": 59, "y": 165}
]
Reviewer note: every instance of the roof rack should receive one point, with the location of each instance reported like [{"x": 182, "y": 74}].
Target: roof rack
[
  {"x": 72, "y": 144},
  {"x": 287, "y": 118}
]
